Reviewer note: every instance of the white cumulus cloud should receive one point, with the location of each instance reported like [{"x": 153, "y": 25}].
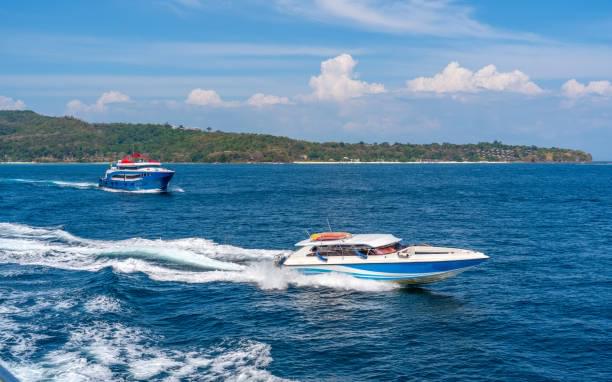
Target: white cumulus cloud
[
  {"x": 456, "y": 79},
  {"x": 7, "y": 103},
  {"x": 337, "y": 81},
  {"x": 575, "y": 89},
  {"x": 112, "y": 97},
  {"x": 205, "y": 97},
  {"x": 261, "y": 100},
  {"x": 77, "y": 106}
]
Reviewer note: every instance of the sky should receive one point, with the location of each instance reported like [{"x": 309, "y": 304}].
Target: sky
[{"x": 521, "y": 72}]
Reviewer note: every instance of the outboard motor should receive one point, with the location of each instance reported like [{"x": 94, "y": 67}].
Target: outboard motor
[{"x": 280, "y": 259}]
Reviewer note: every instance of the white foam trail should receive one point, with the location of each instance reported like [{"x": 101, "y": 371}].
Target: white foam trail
[
  {"x": 95, "y": 352},
  {"x": 269, "y": 277},
  {"x": 88, "y": 185},
  {"x": 79, "y": 185},
  {"x": 171, "y": 189},
  {"x": 132, "y": 191},
  {"x": 104, "y": 351},
  {"x": 54, "y": 247},
  {"x": 60, "y": 183},
  {"x": 19, "y": 333},
  {"x": 102, "y": 304}
]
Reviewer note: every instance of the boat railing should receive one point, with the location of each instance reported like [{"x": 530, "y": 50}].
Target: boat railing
[{"x": 406, "y": 252}]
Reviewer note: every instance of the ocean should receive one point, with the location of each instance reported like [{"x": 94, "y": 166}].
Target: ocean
[{"x": 101, "y": 286}]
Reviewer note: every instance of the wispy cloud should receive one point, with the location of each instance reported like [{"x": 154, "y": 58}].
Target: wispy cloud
[
  {"x": 181, "y": 7},
  {"x": 444, "y": 18},
  {"x": 187, "y": 3},
  {"x": 155, "y": 53},
  {"x": 263, "y": 100}
]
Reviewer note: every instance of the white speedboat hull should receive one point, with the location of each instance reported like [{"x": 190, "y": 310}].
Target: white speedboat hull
[
  {"x": 412, "y": 265},
  {"x": 403, "y": 273}
]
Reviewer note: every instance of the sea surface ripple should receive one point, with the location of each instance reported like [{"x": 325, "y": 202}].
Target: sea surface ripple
[{"x": 99, "y": 286}]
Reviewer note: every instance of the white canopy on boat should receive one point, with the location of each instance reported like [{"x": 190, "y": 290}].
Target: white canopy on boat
[
  {"x": 373, "y": 240},
  {"x": 137, "y": 164}
]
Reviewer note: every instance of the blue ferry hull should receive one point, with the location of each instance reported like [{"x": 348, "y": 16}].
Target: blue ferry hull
[{"x": 153, "y": 181}]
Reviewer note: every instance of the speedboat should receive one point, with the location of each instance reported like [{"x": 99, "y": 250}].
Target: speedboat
[
  {"x": 136, "y": 173},
  {"x": 378, "y": 257}
]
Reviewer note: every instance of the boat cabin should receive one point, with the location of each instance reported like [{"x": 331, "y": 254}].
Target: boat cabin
[
  {"x": 136, "y": 161},
  {"x": 352, "y": 245},
  {"x": 137, "y": 166}
]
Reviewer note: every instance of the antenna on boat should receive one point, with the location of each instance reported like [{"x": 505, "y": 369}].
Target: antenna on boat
[
  {"x": 307, "y": 233},
  {"x": 329, "y": 225}
]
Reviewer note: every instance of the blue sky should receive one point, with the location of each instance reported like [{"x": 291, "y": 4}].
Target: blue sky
[{"x": 522, "y": 72}]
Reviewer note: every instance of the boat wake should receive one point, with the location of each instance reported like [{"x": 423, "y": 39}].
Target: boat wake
[
  {"x": 58, "y": 183},
  {"x": 85, "y": 186},
  {"x": 103, "y": 351},
  {"x": 188, "y": 260},
  {"x": 132, "y": 191}
]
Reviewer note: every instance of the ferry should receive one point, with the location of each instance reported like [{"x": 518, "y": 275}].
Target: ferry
[
  {"x": 136, "y": 173},
  {"x": 378, "y": 257}
]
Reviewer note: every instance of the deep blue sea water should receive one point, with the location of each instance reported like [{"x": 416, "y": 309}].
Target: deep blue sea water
[{"x": 112, "y": 286}]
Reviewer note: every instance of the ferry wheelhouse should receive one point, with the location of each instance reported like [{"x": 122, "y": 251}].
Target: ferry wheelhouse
[
  {"x": 378, "y": 257},
  {"x": 136, "y": 173}
]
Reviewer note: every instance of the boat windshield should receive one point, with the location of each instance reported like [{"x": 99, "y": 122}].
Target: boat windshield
[
  {"x": 354, "y": 250},
  {"x": 149, "y": 165},
  {"x": 136, "y": 167}
]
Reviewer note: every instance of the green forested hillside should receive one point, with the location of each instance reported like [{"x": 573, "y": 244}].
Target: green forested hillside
[{"x": 27, "y": 136}]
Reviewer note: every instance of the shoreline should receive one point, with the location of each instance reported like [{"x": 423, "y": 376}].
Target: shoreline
[
  {"x": 316, "y": 163},
  {"x": 418, "y": 162}
]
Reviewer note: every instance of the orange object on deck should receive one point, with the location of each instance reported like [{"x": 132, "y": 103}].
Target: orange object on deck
[
  {"x": 385, "y": 250},
  {"x": 323, "y": 236}
]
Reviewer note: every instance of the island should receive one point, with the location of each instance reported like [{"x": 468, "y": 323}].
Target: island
[{"x": 26, "y": 136}]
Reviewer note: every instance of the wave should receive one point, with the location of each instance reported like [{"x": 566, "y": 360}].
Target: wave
[
  {"x": 100, "y": 350},
  {"x": 58, "y": 248},
  {"x": 59, "y": 183},
  {"x": 102, "y": 304},
  {"x": 187, "y": 260},
  {"x": 79, "y": 185},
  {"x": 269, "y": 277},
  {"x": 105, "y": 351}
]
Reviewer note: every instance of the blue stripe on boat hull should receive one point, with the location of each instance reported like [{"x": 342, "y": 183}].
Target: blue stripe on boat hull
[
  {"x": 416, "y": 267},
  {"x": 409, "y": 272}
]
